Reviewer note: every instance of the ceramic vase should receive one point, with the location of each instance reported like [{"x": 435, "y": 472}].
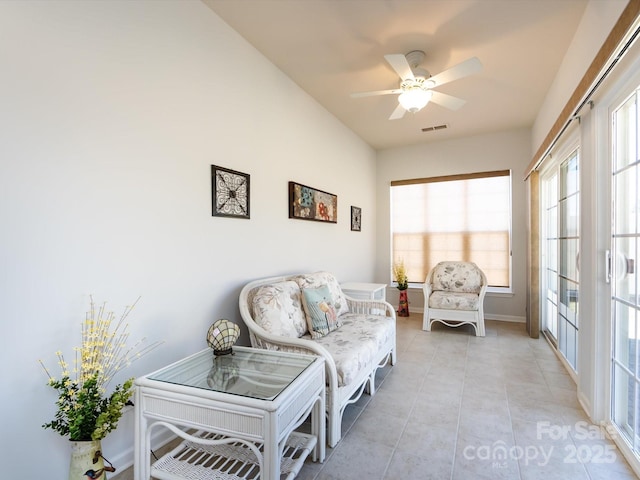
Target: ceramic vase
[
  {"x": 403, "y": 304},
  {"x": 86, "y": 461}
]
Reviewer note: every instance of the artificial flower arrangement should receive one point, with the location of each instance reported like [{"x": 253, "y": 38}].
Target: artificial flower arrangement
[
  {"x": 85, "y": 410},
  {"x": 400, "y": 275}
]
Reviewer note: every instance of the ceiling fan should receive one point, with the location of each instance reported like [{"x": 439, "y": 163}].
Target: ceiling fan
[{"x": 416, "y": 84}]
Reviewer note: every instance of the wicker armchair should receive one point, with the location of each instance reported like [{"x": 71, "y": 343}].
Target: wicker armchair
[{"x": 454, "y": 295}]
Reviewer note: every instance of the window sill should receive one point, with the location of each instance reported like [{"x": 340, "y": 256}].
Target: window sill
[{"x": 500, "y": 292}]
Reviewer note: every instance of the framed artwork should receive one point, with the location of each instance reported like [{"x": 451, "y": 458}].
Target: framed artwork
[
  {"x": 308, "y": 203},
  {"x": 230, "y": 193},
  {"x": 356, "y": 218}
]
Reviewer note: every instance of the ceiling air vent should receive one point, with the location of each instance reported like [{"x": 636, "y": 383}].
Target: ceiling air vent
[{"x": 435, "y": 127}]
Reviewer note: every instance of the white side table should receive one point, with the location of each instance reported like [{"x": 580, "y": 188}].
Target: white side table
[
  {"x": 369, "y": 291},
  {"x": 244, "y": 409}
]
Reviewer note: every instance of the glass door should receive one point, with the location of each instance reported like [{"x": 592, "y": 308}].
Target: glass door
[
  {"x": 550, "y": 255},
  {"x": 625, "y": 291},
  {"x": 560, "y": 255},
  {"x": 569, "y": 238}
]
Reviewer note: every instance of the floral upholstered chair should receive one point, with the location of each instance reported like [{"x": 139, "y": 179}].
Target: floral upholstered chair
[{"x": 454, "y": 295}]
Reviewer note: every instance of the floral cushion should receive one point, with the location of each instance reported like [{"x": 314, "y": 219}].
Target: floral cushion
[
  {"x": 319, "y": 310},
  {"x": 351, "y": 346},
  {"x": 318, "y": 279},
  {"x": 463, "y": 277},
  {"x": 356, "y": 343},
  {"x": 278, "y": 309},
  {"x": 454, "y": 300}
]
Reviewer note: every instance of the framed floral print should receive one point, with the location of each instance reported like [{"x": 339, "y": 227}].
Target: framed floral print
[
  {"x": 306, "y": 203},
  {"x": 356, "y": 218},
  {"x": 230, "y": 195}
]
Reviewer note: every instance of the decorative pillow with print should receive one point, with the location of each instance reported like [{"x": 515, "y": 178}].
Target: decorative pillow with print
[
  {"x": 320, "y": 311},
  {"x": 278, "y": 309},
  {"x": 319, "y": 279}
]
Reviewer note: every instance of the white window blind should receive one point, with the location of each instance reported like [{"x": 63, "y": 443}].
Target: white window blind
[{"x": 460, "y": 217}]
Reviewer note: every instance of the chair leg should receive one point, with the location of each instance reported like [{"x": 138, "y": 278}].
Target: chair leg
[
  {"x": 480, "y": 332},
  {"x": 372, "y": 383},
  {"x": 334, "y": 427},
  {"x": 426, "y": 322}
]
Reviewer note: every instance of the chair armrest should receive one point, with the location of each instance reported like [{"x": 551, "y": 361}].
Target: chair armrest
[
  {"x": 371, "y": 307},
  {"x": 266, "y": 339},
  {"x": 483, "y": 292}
]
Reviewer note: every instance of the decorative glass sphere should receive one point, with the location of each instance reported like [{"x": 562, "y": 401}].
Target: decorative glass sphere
[{"x": 222, "y": 335}]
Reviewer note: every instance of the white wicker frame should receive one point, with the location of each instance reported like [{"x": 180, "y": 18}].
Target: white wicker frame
[
  {"x": 454, "y": 318},
  {"x": 337, "y": 397}
]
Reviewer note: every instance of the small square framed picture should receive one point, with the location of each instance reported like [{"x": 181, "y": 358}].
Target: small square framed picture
[
  {"x": 230, "y": 193},
  {"x": 356, "y": 219}
]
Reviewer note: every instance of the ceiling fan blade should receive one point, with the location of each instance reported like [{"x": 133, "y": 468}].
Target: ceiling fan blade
[
  {"x": 399, "y": 63},
  {"x": 447, "y": 101},
  {"x": 378, "y": 92},
  {"x": 464, "y": 69},
  {"x": 397, "y": 113}
]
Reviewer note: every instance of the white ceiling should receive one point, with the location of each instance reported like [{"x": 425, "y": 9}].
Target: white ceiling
[{"x": 332, "y": 48}]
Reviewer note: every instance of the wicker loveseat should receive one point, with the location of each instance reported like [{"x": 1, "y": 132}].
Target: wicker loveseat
[{"x": 361, "y": 336}]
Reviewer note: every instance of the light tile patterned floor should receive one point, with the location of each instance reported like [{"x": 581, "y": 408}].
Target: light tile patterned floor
[{"x": 459, "y": 407}]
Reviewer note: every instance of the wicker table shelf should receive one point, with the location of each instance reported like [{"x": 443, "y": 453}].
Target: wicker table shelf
[{"x": 233, "y": 461}]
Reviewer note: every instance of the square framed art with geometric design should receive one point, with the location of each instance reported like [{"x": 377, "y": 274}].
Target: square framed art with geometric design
[{"x": 230, "y": 193}]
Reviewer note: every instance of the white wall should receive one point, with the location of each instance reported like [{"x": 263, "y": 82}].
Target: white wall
[
  {"x": 112, "y": 113},
  {"x": 498, "y": 151},
  {"x": 597, "y": 21}
]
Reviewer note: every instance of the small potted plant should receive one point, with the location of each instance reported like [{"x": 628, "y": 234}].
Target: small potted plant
[
  {"x": 87, "y": 412},
  {"x": 400, "y": 276}
]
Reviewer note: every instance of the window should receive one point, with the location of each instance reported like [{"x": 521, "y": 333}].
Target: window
[{"x": 461, "y": 217}]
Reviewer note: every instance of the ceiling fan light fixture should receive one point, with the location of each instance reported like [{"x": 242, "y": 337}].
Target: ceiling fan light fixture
[{"x": 414, "y": 99}]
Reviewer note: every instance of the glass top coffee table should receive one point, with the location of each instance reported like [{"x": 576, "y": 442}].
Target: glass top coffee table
[{"x": 237, "y": 415}]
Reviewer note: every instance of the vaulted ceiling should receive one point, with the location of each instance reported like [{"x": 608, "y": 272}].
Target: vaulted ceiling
[{"x": 332, "y": 48}]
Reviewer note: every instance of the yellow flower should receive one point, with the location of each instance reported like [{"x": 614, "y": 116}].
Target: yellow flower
[
  {"x": 101, "y": 354},
  {"x": 400, "y": 275}
]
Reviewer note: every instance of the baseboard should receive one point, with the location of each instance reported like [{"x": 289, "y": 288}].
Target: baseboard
[
  {"x": 505, "y": 318},
  {"x": 586, "y": 405}
]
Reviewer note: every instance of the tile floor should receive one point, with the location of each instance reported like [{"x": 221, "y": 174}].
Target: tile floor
[{"x": 458, "y": 407}]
